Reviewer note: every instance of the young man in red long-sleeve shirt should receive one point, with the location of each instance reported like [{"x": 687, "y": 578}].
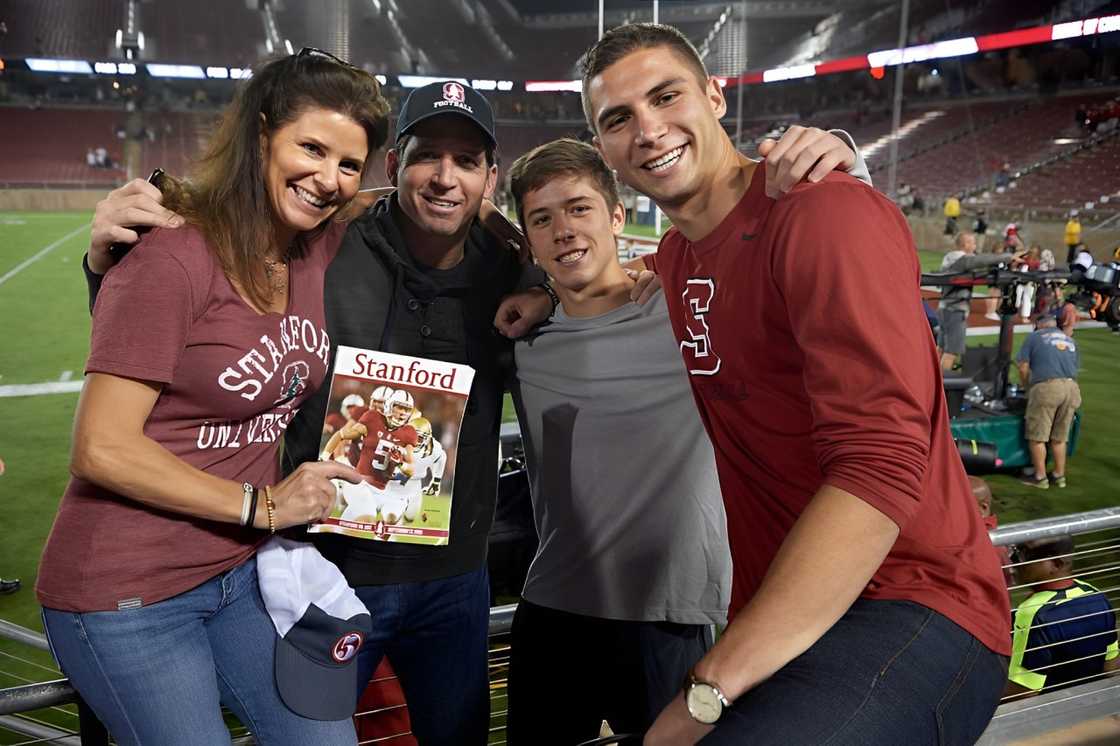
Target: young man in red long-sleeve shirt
[{"x": 868, "y": 604}]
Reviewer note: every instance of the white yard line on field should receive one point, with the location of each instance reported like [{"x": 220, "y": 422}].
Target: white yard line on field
[
  {"x": 40, "y": 254},
  {"x": 41, "y": 389},
  {"x": 983, "y": 331}
]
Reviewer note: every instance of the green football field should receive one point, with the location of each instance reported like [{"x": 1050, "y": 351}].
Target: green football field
[{"x": 44, "y": 344}]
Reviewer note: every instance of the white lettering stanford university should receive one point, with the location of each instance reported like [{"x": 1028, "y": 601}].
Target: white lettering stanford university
[
  {"x": 256, "y": 367},
  {"x": 264, "y": 428}
]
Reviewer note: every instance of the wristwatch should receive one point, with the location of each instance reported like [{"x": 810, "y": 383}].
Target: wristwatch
[{"x": 705, "y": 701}]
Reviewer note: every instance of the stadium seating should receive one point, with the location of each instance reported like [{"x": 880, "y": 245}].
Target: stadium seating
[
  {"x": 49, "y": 146},
  {"x": 60, "y": 28},
  {"x": 179, "y": 138},
  {"x": 186, "y": 32},
  {"x": 1069, "y": 182},
  {"x": 350, "y": 29},
  {"x": 962, "y": 149}
]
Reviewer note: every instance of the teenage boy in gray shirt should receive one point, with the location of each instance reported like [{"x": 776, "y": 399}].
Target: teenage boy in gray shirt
[{"x": 633, "y": 567}]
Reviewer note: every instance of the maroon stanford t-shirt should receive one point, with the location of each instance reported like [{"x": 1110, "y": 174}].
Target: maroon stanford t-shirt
[
  {"x": 800, "y": 323},
  {"x": 232, "y": 380}
]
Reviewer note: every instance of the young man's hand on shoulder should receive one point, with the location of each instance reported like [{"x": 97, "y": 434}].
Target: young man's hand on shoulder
[
  {"x": 803, "y": 152},
  {"x": 137, "y": 204}
]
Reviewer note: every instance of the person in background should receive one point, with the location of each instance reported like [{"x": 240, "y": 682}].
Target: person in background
[
  {"x": 1067, "y": 318},
  {"x": 1047, "y": 261},
  {"x": 956, "y": 302},
  {"x": 983, "y": 494},
  {"x": 980, "y": 228},
  {"x": 952, "y": 211},
  {"x": 1033, "y": 260},
  {"x": 13, "y": 585},
  {"x": 1003, "y": 177},
  {"x": 1072, "y": 236},
  {"x": 1065, "y": 632},
  {"x": 1048, "y": 363}
]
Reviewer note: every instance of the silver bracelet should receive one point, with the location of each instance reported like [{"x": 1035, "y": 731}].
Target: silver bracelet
[{"x": 246, "y": 502}]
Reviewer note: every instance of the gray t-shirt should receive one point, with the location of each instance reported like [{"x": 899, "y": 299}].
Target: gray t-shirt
[
  {"x": 625, "y": 493},
  {"x": 1050, "y": 354}
]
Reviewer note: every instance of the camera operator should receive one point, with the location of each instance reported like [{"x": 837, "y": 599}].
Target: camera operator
[{"x": 955, "y": 303}]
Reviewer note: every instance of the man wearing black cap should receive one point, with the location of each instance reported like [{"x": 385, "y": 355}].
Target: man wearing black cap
[{"x": 417, "y": 275}]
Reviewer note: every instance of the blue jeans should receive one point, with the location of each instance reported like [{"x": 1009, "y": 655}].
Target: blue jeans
[
  {"x": 889, "y": 672},
  {"x": 156, "y": 675},
  {"x": 435, "y": 634}
]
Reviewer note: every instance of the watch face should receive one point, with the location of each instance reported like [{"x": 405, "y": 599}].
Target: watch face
[{"x": 703, "y": 703}]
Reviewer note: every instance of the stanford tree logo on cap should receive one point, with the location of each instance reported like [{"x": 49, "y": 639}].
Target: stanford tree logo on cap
[
  {"x": 453, "y": 95},
  {"x": 454, "y": 92}
]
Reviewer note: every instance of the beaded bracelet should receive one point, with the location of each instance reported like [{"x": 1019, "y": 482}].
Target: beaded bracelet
[{"x": 271, "y": 507}]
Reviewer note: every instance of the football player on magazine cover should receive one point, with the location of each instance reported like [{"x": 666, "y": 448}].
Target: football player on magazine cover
[
  {"x": 429, "y": 458},
  {"x": 385, "y": 459}
]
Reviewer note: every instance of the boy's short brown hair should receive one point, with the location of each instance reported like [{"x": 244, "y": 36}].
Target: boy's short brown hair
[
  {"x": 632, "y": 37},
  {"x": 565, "y": 157},
  {"x": 1056, "y": 548}
]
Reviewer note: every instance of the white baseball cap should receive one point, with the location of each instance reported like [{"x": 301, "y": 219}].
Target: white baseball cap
[{"x": 322, "y": 625}]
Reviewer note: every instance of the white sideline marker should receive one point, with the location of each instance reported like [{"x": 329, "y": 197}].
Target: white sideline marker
[
  {"x": 42, "y": 252},
  {"x": 40, "y": 389},
  {"x": 992, "y": 331}
]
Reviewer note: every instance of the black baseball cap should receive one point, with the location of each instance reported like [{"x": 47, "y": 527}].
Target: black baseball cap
[
  {"x": 321, "y": 624},
  {"x": 447, "y": 97}
]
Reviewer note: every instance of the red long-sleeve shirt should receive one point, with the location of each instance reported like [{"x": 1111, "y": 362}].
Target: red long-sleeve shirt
[{"x": 811, "y": 361}]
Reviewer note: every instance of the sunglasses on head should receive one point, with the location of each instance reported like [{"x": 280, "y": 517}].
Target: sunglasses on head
[{"x": 315, "y": 52}]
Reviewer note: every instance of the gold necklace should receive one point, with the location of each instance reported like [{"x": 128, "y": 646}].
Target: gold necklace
[{"x": 277, "y": 273}]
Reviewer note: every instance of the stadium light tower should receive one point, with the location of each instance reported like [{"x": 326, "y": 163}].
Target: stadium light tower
[
  {"x": 896, "y": 114},
  {"x": 601, "y": 27},
  {"x": 129, "y": 40},
  {"x": 742, "y": 69}
]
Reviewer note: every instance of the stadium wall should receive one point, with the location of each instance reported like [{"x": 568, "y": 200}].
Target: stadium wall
[
  {"x": 50, "y": 200},
  {"x": 929, "y": 234},
  {"x": 928, "y": 231}
]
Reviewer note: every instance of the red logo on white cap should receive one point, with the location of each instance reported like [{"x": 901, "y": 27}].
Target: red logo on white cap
[
  {"x": 347, "y": 647},
  {"x": 454, "y": 92}
]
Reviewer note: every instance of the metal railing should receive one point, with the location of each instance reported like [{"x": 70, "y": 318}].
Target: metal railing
[
  {"x": 57, "y": 693},
  {"x": 1097, "y": 555},
  {"x": 1097, "y": 552}
]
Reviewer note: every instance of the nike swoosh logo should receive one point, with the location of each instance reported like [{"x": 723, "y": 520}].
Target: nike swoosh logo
[{"x": 748, "y": 236}]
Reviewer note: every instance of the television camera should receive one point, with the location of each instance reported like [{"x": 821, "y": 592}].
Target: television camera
[{"x": 1096, "y": 290}]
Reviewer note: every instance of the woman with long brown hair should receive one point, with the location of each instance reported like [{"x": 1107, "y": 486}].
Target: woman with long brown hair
[{"x": 205, "y": 341}]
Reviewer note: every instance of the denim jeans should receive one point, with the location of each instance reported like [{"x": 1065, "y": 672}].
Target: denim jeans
[
  {"x": 156, "y": 675},
  {"x": 435, "y": 635},
  {"x": 889, "y": 672}
]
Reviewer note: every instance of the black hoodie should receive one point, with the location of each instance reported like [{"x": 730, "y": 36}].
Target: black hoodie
[{"x": 378, "y": 297}]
